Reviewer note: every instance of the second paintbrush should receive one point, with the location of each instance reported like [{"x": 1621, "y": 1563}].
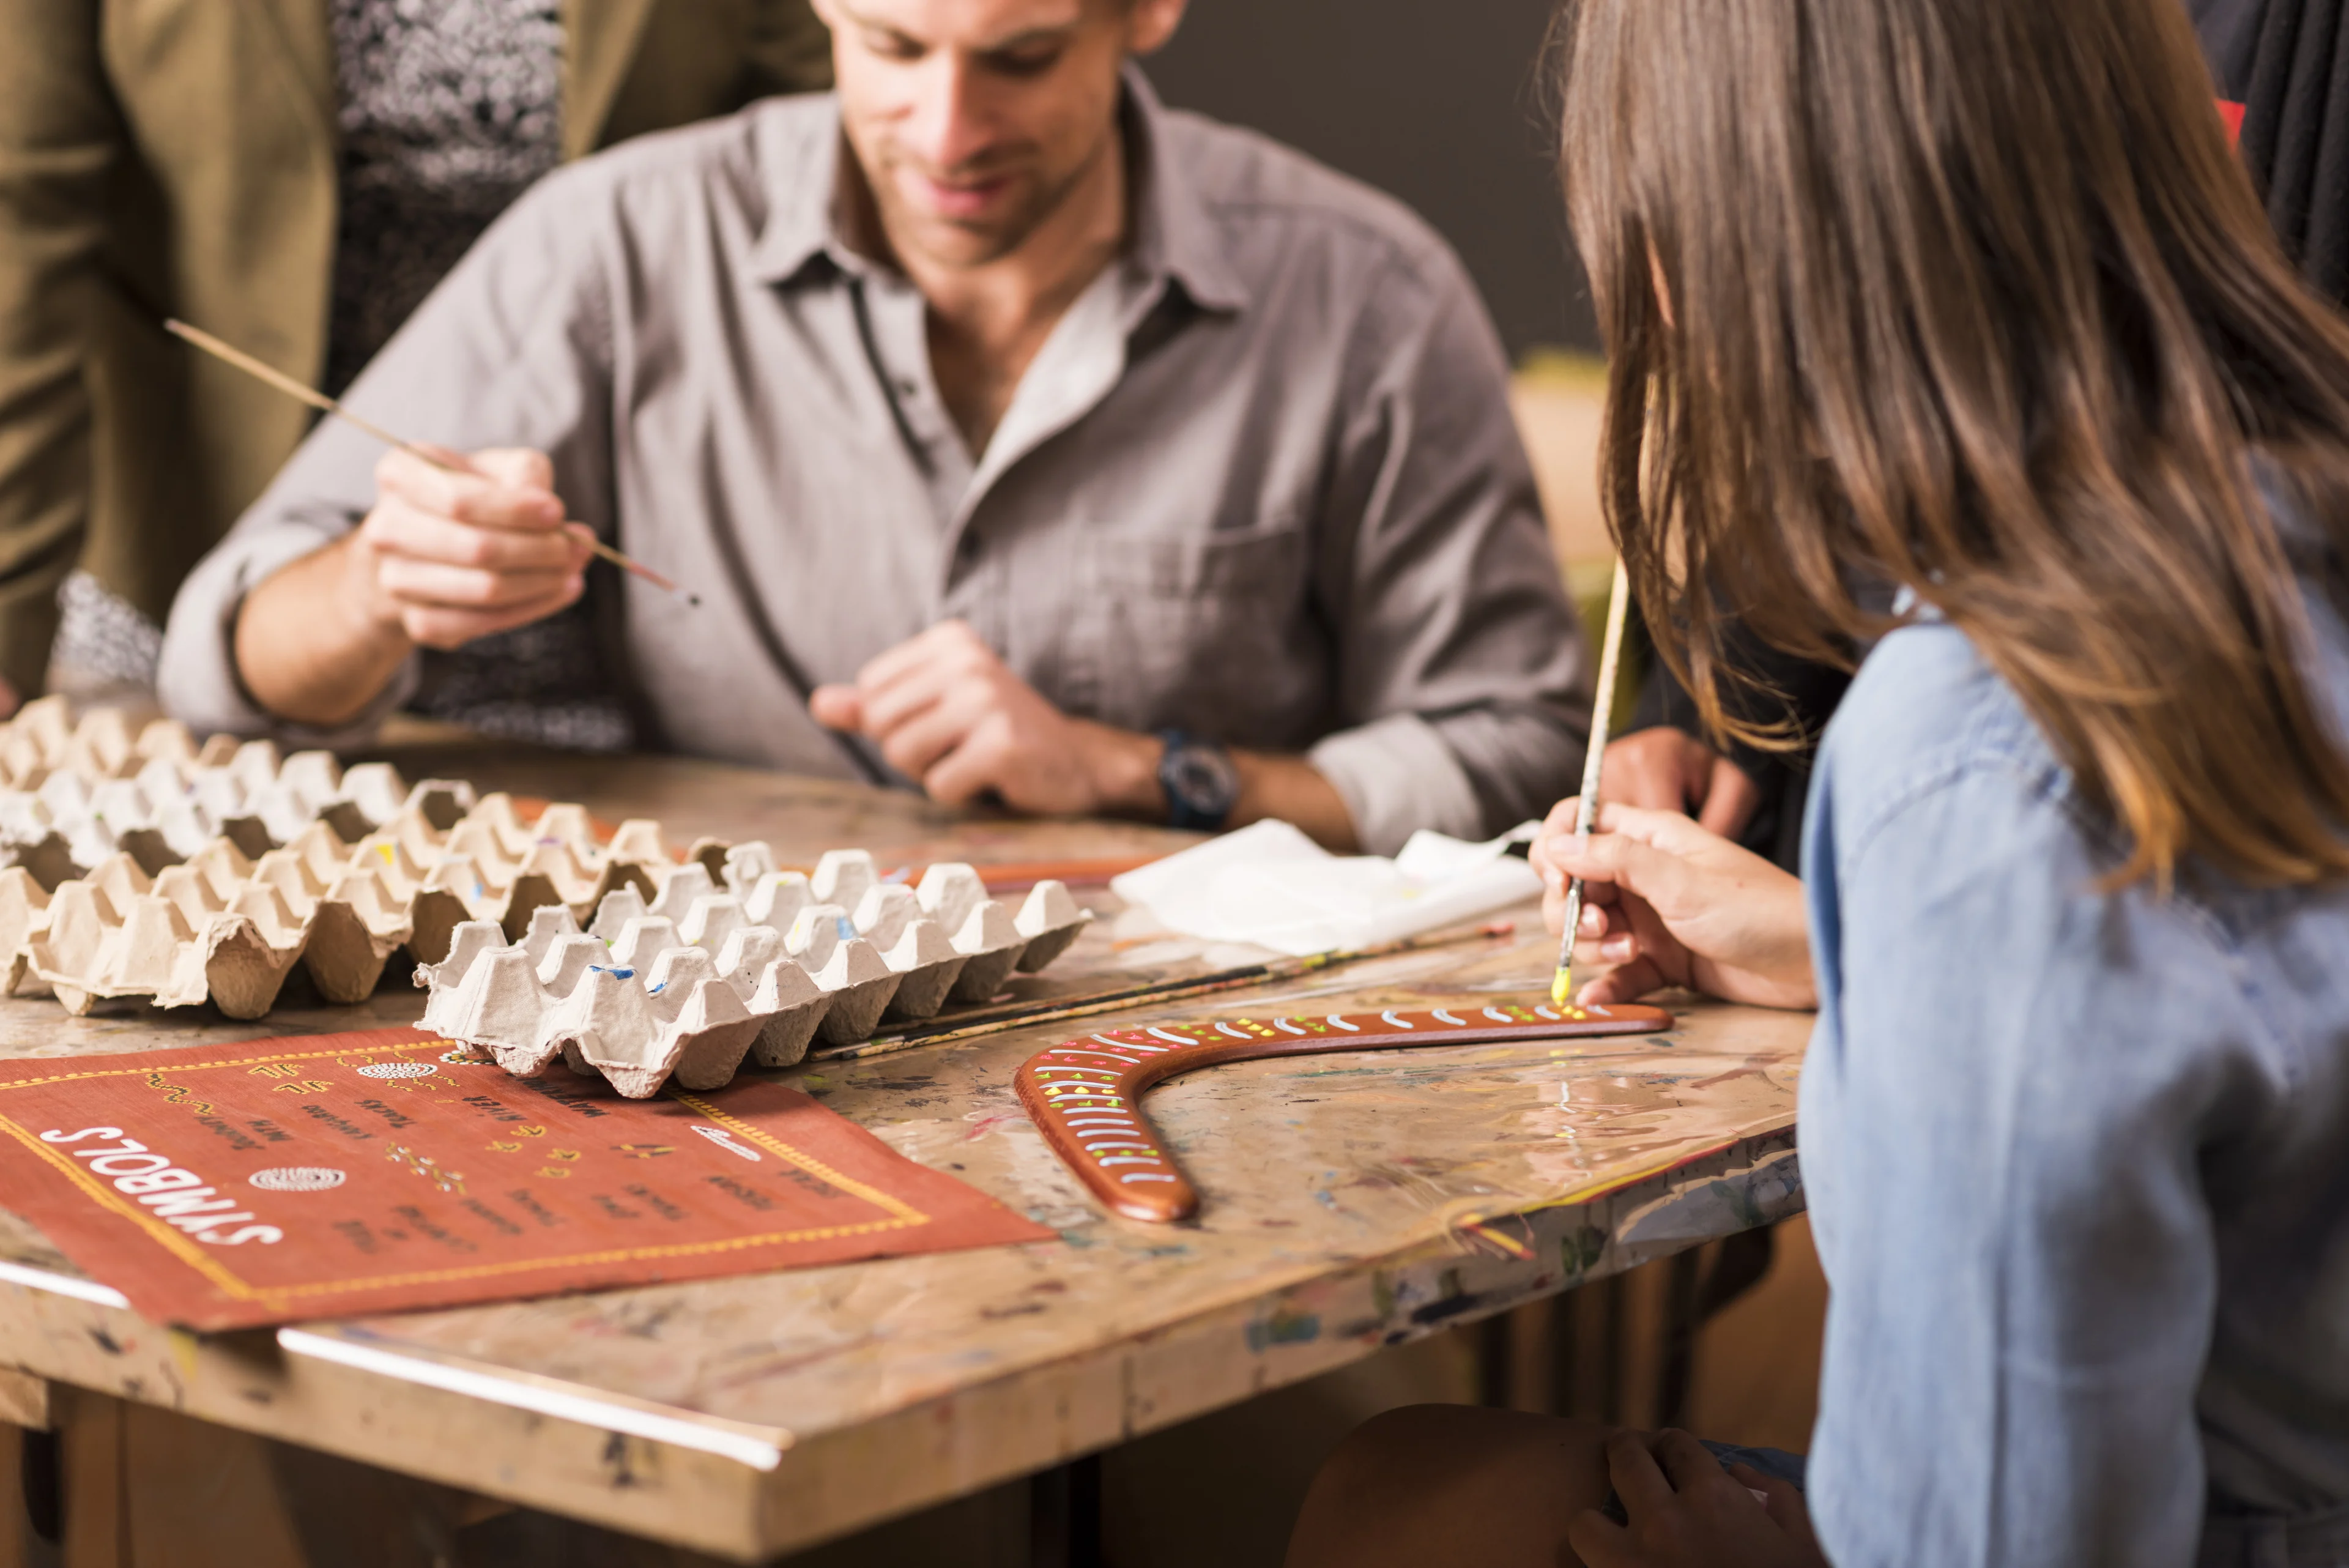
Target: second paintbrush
[
  {"x": 1602, "y": 714},
  {"x": 327, "y": 405}
]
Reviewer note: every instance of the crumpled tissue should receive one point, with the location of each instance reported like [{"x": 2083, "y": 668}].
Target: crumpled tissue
[{"x": 1269, "y": 884}]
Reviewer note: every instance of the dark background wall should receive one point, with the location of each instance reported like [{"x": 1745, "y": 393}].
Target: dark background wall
[{"x": 1435, "y": 100}]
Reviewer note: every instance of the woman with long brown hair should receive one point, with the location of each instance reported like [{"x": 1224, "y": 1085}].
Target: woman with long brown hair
[{"x": 1970, "y": 298}]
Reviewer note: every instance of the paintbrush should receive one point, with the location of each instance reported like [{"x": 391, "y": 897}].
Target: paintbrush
[
  {"x": 1085, "y": 1004},
  {"x": 327, "y": 405},
  {"x": 1602, "y": 716}
]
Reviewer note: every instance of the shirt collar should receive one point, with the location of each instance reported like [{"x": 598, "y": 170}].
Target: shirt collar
[{"x": 1175, "y": 235}]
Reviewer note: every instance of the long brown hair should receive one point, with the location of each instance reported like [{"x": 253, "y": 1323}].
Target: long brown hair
[{"x": 1971, "y": 297}]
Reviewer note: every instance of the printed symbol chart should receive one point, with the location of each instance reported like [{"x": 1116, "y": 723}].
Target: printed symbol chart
[{"x": 287, "y": 1179}]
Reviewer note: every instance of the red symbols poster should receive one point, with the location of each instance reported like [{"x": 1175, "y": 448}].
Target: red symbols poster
[{"x": 284, "y": 1180}]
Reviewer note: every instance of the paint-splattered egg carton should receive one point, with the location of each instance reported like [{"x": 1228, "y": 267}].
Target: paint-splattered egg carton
[
  {"x": 638, "y": 1011},
  {"x": 493, "y": 866},
  {"x": 695, "y": 980}
]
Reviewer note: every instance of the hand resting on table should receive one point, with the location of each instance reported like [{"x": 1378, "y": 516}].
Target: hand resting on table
[
  {"x": 1670, "y": 903},
  {"x": 945, "y": 711}
]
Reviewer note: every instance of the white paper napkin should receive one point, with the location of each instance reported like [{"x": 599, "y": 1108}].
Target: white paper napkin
[{"x": 1269, "y": 884}]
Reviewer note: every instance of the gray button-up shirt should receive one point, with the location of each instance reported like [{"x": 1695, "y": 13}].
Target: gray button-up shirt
[{"x": 1260, "y": 483}]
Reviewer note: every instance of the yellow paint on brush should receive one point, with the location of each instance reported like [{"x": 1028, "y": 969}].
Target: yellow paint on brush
[{"x": 1561, "y": 986}]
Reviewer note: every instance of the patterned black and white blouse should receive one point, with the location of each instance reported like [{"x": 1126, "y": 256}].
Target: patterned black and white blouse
[{"x": 448, "y": 111}]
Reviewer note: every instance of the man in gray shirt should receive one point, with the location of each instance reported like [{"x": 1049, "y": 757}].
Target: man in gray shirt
[{"x": 1021, "y": 438}]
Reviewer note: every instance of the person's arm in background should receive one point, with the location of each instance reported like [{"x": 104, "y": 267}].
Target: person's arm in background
[
  {"x": 302, "y": 623},
  {"x": 1662, "y": 760},
  {"x": 1464, "y": 681},
  {"x": 61, "y": 139}
]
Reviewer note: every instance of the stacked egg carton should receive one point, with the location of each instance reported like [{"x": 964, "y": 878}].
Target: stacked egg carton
[
  {"x": 140, "y": 867},
  {"x": 492, "y": 866},
  {"x": 692, "y": 982},
  {"x": 72, "y": 796},
  {"x": 225, "y": 926}
]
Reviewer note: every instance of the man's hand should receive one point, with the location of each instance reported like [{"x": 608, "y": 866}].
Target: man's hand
[
  {"x": 944, "y": 710},
  {"x": 1665, "y": 769},
  {"x": 446, "y": 557},
  {"x": 1686, "y": 1511},
  {"x": 1672, "y": 904}
]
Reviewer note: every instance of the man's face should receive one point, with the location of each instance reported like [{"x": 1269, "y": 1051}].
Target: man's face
[{"x": 973, "y": 120}]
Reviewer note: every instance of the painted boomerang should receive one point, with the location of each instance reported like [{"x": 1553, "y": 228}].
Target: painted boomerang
[{"x": 1086, "y": 1095}]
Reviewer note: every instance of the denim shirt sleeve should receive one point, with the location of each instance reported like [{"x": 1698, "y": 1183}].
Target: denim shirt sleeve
[{"x": 2004, "y": 1110}]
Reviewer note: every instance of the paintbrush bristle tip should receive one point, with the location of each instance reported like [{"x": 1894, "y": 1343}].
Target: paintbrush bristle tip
[{"x": 1562, "y": 988}]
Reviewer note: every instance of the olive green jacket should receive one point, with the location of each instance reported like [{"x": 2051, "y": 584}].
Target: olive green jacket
[{"x": 178, "y": 158}]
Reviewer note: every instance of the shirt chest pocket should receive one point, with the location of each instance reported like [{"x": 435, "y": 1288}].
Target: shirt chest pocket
[{"x": 1212, "y": 633}]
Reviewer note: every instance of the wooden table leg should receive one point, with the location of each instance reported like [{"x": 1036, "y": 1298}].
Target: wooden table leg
[{"x": 1065, "y": 1515}]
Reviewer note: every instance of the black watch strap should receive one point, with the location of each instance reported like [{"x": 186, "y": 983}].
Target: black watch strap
[{"x": 1200, "y": 781}]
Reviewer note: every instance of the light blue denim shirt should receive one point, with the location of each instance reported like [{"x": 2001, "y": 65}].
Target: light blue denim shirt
[{"x": 2078, "y": 1162}]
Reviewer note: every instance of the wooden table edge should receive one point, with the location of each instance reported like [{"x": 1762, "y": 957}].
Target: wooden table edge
[{"x": 747, "y": 1491}]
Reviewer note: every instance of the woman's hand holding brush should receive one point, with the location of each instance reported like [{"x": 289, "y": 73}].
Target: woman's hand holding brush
[{"x": 1667, "y": 903}]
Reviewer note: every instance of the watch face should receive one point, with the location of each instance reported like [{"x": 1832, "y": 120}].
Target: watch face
[{"x": 1202, "y": 780}]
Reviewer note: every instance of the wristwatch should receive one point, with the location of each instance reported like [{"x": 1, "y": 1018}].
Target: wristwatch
[{"x": 1201, "y": 783}]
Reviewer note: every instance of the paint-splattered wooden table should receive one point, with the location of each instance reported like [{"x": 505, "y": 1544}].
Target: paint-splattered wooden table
[{"x": 1348, "y": 1202}]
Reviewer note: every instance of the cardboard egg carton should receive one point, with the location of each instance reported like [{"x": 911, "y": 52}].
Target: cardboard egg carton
[
  {"x": 166, "y": 813},
  {"x": 951, "y": 895},
  {"x": 639, "y": 1011},
  {"x": 96, "y": 790},
  {"x": 139, "y": 867},
  {"x": 44, "y": 738},
  {"x": 221, "y": 926},
  {"x": 493, "y": 866},
  {"x": 217, "y": 927},
  {"x": 692, "y": 981},
  {"x": 855, "y": 982}
]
